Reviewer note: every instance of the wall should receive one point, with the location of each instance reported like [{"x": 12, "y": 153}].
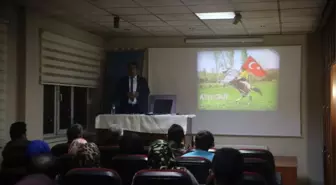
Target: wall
[
  {"x": 9, "y": 14},
  {"x": 34, "y": 91},
  {"x": 308, "y": 147}
]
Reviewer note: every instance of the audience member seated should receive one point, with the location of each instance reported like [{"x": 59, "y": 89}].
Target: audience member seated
[
  {"x": 88, "y": 156},
  {"x": 110, "y": 137},
  {"x": 131, "y": 144},
  {"x": 74, "y": 132},
  {"x": 160, "y": 156},
  {"x": 227, "y": 167},
  {"x": 37, "y": 179},
  {"x": 204, "y": 141},
  {"x": 37, "y": 147},
  {"x": 176, "y": 139},
  {"x": 75, "y": 145},
  {"x": 15, "y": 150},
  {"x": 43, "y": 164}
]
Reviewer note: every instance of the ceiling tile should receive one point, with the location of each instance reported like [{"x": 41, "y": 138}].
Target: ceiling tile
[
  {"x": 185, "y": 23},
  {"x": 255, "y": 6},
  {"x": 271, "y": 20},
  {"x": 128, "y": 11},
  {"x": 221, "y": 23},
  {"x": 299, "y": 19},
  {"x": 135, "y": 18},
  {"x": 199, "y": 33},
  {"x": 159, "y": 2},
  {"x": 204, "y": 2},
  {"x": 169, "y": 10},
  {"x": 159, "y": 29},
  {"x": 150, "y": 23},
  {"x": 263, "y": 31},
  {"x": 298, "y": 24},
  {"x": 229, "y": 32},
  {"x": 167, "y": 33},
  {"x": 286, "y": 29},
  {"x": 114, "y": 3},
  {"x": 301, "y": 4},
  {"x": 259, "y": 14},
  {"x": 122, "y": 24},
  {"x": 99, "y": 18},
  {"x": 176, "y": 17},
  {"x": 301, "y": 12},
  {"x": 252, "y": 1},
  {"x": 211, "y": 8}
]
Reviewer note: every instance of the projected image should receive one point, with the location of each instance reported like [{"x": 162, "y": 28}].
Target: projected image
[{"x": 240, "y": 79}]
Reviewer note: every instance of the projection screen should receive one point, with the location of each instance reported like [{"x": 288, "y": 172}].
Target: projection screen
[{"x": 252, "y": 91}]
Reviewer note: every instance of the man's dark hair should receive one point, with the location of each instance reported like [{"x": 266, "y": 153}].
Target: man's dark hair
[
  {"x": 228, "y": 166},
  {"x": 17, "y": 130},
  {"x": 204, "y": 140},
  {"x": 131, "y": 144},
  {"x": 74, "y": 132},
  {"x": 132, "y": 64},
  {"x": 176, "y": 133}
]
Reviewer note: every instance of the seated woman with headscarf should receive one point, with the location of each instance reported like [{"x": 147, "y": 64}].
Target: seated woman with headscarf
[
  {"x": 75, "y": 145},
  {"x": 37, "y": 147},
  {"x": 87, "y": 156},
  {"x": 161, "y": 156}
]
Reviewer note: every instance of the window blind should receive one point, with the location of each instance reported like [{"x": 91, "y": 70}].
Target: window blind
[
  {"x": 65, "y": 61},
  {"x": 3, "y": 79}
]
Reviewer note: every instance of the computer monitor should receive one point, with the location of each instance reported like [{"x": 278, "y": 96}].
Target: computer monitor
[{"x": 162, "y": 104}]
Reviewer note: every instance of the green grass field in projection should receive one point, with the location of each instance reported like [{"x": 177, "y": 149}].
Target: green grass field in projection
[{"x": 226, "y": 97}]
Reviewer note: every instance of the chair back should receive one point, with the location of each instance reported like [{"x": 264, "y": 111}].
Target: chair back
[
  {"x": 259, "y": 153},
  {"x": 251, "y": 178},
  {"x": 261, "y": 167},
  {"x": 91, "y": 176},
  {"x": 64, "y": 164},
  {"x": 164, "y": 177},
  {"x": 198, "y": 166},
  {"x": 128, "y": 165},
  {"x": 107, "y": 153}
]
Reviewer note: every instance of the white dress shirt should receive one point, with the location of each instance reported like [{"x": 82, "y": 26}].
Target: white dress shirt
[{"x": 135, "y": 85}]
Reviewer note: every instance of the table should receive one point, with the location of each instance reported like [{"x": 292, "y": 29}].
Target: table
[
  {"x": 287, "y": 167},
  {"x": 149, "y": 126}
]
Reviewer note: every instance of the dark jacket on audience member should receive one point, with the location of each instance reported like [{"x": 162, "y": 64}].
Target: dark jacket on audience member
[{"x": 14, "y": 154}]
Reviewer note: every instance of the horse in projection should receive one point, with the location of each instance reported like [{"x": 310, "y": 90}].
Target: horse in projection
[{"x": 243, "y": 86}]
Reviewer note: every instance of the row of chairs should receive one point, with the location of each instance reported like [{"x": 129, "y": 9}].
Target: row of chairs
[
  {"x": 256, "y": 161},
  {"x": 102, "y": 176}
]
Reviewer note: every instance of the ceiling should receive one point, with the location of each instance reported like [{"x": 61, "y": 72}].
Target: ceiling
[{"x": 177, "y": 18}]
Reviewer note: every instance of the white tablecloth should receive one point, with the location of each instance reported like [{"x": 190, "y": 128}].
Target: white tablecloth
[{"x": 142, "y": 123}]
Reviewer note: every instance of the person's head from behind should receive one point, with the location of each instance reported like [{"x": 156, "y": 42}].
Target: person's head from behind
[
  {"x": 228, "y": 166},
  {"x": 36, "y": 179},
  {"x": 160, "y": 155},
  {"x": 204, "y": 140},
  {"x": 113, "y": 136},
  {"x": 131, "y": 144},
  {"x": 18, "y": 130},
  {"x": 37, "y": 147},
  {"x": 43, "y": 164},
  {"x": 88, "y": 156},
  {"x": 75, "y": 145},
  {"x": 74, "y": 132},
  {"x": 132, "y": 69},
  {"x": 176, "y": 134}
]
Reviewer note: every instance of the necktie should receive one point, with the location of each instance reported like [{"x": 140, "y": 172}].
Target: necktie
[{"x": 131, "y": 84}]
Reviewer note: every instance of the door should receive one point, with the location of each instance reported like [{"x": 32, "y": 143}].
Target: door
[{"x": 329, "y": 127}]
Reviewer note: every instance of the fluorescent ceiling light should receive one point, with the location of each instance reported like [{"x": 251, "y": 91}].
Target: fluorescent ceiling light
[
  {"x": 224, "y": 40},
  {"x": 216, "y": 15}
]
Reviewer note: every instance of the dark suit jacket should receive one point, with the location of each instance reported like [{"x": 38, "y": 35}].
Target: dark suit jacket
[{"x": 142, "y": 99}]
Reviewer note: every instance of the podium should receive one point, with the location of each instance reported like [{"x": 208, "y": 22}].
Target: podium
[{"x": 149, "y": 127}]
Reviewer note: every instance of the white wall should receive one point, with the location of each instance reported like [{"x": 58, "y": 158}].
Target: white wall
[
  {"x": 35, "y": 23},
  {"x": 308, "y": 147}
]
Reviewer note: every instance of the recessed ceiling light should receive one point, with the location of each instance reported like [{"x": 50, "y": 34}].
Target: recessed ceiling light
[{"x": 216, "y": 15}]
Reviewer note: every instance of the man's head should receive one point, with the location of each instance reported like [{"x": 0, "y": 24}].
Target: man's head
[
  {"x": 18, "y": 130},
  {"x": 228, "y": 166},
  {"x": 204, "y": 140},
  {"x": 176, "y": 134},
  {"x": 132, "y": 69},
  {"x": 74, "y": 132}
]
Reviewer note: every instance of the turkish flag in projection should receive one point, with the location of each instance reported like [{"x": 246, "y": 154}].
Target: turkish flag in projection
[{"x": 253, "y": 67}]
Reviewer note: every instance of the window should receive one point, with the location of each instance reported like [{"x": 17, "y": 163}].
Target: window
[{"x": 63, "y": 106}]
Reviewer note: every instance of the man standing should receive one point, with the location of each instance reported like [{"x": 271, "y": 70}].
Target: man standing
[{"x": 133, "y": 92}]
